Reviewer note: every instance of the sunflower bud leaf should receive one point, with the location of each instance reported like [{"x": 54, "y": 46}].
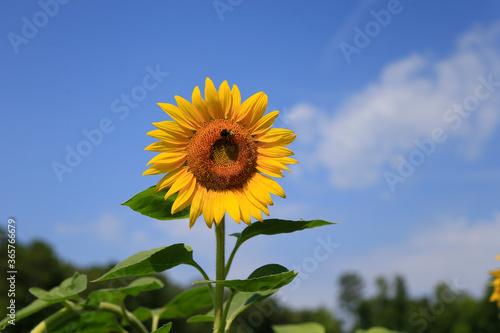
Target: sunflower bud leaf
[
  {"x": 152, "y": 261},
  {"x": 154, "y": 205}
]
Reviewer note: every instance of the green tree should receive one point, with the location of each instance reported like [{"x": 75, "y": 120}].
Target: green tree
[
  {"x": 400, "y": 304},
  {"x": 351, "y": 287}
]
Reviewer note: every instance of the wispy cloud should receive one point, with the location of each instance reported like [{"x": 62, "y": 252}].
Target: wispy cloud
[
  {"x": 451, "y": 250},
  {"x": 107, "y": 228},
  {"x": 412, "y": 97}
]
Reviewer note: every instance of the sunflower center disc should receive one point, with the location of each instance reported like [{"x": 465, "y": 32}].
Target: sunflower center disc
[
  {"x": 222, "y": 155},
  {"x": 224, "y": 152}
]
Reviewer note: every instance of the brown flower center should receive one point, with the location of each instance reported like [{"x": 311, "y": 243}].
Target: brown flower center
[{"x": 222, "y": 155}]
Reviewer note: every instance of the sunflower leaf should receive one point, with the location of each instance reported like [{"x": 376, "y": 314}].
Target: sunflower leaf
[
  {"x": 28, "y": 310},
  {"x": 183, "y": 305},
  {"x": 134, "y": 288},
  {"x": 242, "y": 300},
  {"x": 152, "y": 261},
  {"x": 88, "y": 322},
  {"x": 201, "y": 318},
  {"x": 268, "y": 277},
  {"x": 154, "y": 205},
  {"x": 67, "y": 289},
  {"x": 274, "y": 227},
  {"x": 164, "y": 329}
]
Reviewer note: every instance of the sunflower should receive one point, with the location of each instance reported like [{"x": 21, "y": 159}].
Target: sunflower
[
  {"x": 219, "y": 155},
  {"x": 496, "y": 286}
]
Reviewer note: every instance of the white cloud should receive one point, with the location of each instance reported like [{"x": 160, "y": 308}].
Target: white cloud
[
  {"x": 108, "y": 228},
  {"x": 410, "y": 99},
  {"x": 451, "y": 250}
]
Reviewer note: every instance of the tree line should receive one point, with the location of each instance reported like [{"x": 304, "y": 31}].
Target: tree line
[{"x": 447, "y": 310}]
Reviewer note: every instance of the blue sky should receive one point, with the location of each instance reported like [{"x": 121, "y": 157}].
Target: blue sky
[{"x": 395, "y": 104}]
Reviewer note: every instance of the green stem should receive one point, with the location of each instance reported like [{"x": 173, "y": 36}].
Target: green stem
[
  {"x": 219, "y": 276},
  {"x": 72, "y": 310},
  {"x": 155, "y": 320},
  {"x": 205, "y": 276},
  {"x": 57, "y": 319},
  {"x": 230, "y": 260},
  {"x": 117, "y": 310},
  {"x": 226, "y": 308}
]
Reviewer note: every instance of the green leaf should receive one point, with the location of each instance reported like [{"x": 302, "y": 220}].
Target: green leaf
[
  {"x": 181, "y": 306},
  {"x": 142, "y": 313},
  {"x": 201, "y": 319},
  {"x": 187, "y": 303},
  {"x": 152, "y": 261},
  {"x": 154, "y": 205},
  {"x": 118, "y": 294},
  {"x": 274, "y": 227},
  {"x": 28, "y": 310},
  {"x": 68, "y": 288},
  {"x": 299, "y": 328},
  {"x": 240, "y": 302},
  {"x": 243, "y": 300},
  {"x": 267, "y": 277},
  {"x": 164, "y": 329},
  {"x": 89, "y": 322}
]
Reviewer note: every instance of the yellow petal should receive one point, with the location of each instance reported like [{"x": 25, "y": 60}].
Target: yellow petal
[
  {"x": 273, "y": 172},
  {"x": 190, "y": 112},
  {"x": 169, "y": 179},
  {"x": 258, "y": 192},
  {"x": 164, "y": 136},
  {"x": 264, "y": 123},
  {"x": 277, "y": 151},
  {"x": 281, "y": 142},
  {"x": 255, "y": 212},
  {"x": 200, "y": 105},
  {"x": 178, "y": 115},
  {"x": 275, "y": 162},
  {"x": 286, "y": 161},
  {"x": 163, "y": 146},
  {"x": 236, "y": 101},
  {"x": 273, "y": 135},
  {"x": 258, "y": 111},
  {"x": 231, "y": 205},
  {"x": 174, "y": 129},
  {"x": 244, "y": 206},
  {"x": 197, "y": 204},
  {"x": 184, "y": 198},
  {"x": 253, "y": 200},
  {"x": 212, "y": 100},
  {"x": 218, "y": 207},
  {"x": 180, "y": 182},
  {"x": 208, "y": 208},
  {"x": 168, "y": 158},
  {"x": 269, "y": 185},
  {"x": 159, "y": 168},
  {"x": 269, "y": 166},
  {"x": 247, "y": 107},
  {"x": 225, "y": 98}
]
